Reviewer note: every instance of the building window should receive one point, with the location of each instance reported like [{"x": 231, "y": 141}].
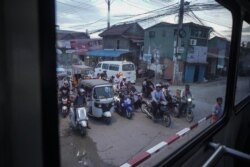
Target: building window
[
  {"x": 163, "y": 33},
  {"x": 151, "y": 34},
  {"x": 118, "y": 44}
]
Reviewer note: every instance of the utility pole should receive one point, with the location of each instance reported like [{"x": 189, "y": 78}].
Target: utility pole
[
  {"x": 178, "y": 43},
  {"x": 108, "y": 2}
]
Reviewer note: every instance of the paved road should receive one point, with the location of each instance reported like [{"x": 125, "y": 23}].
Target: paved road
[{"x": 113, "y": 145}]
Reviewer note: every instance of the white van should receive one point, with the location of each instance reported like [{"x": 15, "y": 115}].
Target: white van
[{"x": 113, "y": 67}]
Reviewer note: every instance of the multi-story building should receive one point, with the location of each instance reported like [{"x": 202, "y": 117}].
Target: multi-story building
[
  {"x": 74, "y": 44},
  {"x": 191, "y": 54},
  {"x": 121, "y": 42}
]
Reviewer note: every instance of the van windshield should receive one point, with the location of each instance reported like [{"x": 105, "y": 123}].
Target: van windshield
[
  {"x": 103, "y": 92},
  {"x": 128, "y": 67}
]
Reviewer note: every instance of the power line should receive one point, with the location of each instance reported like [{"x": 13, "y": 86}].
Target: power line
[{"x": 161, "y": 13}]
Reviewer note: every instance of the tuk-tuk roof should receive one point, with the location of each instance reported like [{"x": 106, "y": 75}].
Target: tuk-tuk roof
[{"x": 94, "y": 82}]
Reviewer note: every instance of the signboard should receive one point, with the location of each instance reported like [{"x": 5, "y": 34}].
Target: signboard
[
  {"x": 180, "y": 50},
  {"x": 197, "y": 54}
]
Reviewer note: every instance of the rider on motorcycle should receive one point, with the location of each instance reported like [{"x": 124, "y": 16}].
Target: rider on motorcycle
[
  {"x": 65, "y": 90},
  {"x": 111, "y": 80},
  {"x": 123, "y": 83},
  {"x": 117, "y": 80},
  {"x": 166, "y": 91},
  {"x": 157, "y": 97},
  {"x": 185, "y": 93},
  {"x": 130, "y": 87},
  {"x": 104, "y": 75},
  {"x": 80, "y": 101}
]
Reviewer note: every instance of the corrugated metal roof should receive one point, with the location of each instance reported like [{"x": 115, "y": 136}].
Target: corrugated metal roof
[
  {"x": 116, "y": 30},
  {"x": 106, "y": 53}
]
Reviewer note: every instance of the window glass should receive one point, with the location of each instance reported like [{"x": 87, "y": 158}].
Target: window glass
[
  {"x": 105, "y": 66},
  {"x": 128, "y": 67},
  {"x": 114, "y": 67},
  {"x": 151, "y": 34},
  {"x": 197, "y": 55},
  {"x": 243, "y": 79},
  {"x": 99, "y": 65}
]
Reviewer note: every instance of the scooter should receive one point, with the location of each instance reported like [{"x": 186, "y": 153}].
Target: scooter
[
  {"x": 65, "y": 105},
  {"x": 80, "y": 120},
  {"x": 124, "y": 106},
  {"x": 162, "y": 114}
]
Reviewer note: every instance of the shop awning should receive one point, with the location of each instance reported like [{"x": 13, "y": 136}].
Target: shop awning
[{"x": 106, "y": 53}]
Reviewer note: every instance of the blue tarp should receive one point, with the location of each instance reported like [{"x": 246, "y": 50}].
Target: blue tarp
[{"x": 106, "y": 53}]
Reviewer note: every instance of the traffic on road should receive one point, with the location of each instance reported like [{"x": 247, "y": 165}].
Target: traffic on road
[{"x": 124, "y": 118}]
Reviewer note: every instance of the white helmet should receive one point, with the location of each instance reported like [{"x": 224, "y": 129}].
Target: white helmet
[
  {"x": 158, "y": 85},
  {"x": 133, "y": 82},
  {"x": 81, "y": 91}
]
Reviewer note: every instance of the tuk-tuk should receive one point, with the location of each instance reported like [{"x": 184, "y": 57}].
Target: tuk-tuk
[
  {"x": 100, "y": 101},
  {"x": 83, "y": 72}
]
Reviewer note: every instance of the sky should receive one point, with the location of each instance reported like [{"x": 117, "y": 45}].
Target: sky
[{"x": 91, "y": 15}]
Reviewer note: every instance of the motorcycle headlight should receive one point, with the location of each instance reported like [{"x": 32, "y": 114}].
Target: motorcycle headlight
[{"x": 189, "y": 99}]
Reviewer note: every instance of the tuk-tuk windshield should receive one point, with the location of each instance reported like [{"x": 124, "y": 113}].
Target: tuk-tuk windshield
[{"x": 103, "y": 92}]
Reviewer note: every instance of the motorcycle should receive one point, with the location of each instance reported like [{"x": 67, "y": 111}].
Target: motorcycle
[
  {"x": 187, "y": 110},
  {"x": 147, "y": 90},
  {"x": 80, "y": 120},
  {"x": 172, "y": 104},
  {"x": 162, "y": 113},
  {"x": 124, "y": 106},
  {"x": 137, "y": 99},
  {"x": 65, "y": 105}
]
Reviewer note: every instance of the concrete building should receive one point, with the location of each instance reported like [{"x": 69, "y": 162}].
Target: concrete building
[{"x": 192, "y": 55}]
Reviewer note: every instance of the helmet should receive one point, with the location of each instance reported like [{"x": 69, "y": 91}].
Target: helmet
[
  {"x": 65, "y": 83},
  {"x": 81, "y": 91},
  {"x": 124, "y": 77},
  {"x": 158, "y": 86},
  {"x": 133, "y": 82}
]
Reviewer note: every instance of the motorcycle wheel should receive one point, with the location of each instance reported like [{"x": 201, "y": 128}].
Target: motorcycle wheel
[
  {"x": 144, "y": 107},
  {"x": 107, "y": 120},
  {"x": 128, "y": 114},
  {"x": 189, "y": 116},
  {"x": 166, "y": 119},
  {"x": 83, "y": 131}
]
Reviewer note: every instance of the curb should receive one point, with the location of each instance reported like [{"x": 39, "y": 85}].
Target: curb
[{"x": 139, "y": 158}]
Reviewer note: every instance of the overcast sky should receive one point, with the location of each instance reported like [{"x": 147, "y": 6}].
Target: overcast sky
[{"x": 90, "y": 15}]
